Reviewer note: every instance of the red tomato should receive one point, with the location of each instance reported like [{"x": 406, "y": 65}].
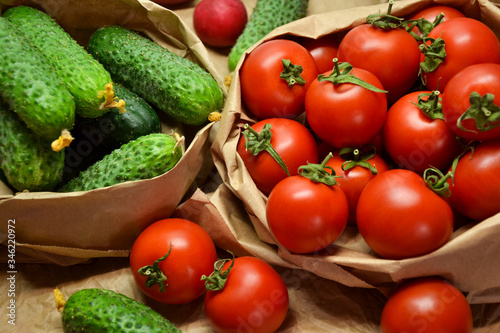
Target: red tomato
[
  {"x": 293, "y": 142},
  {"x": 306, "y": 216},
  {"x": 479, "y": 80},
  {"x": 475, "y": 192},
  {"x": 431, "y": 13},
  {"x": 400, "y": 217},
  {"x": 346, "y": 114},
  {"x": 192, "y": 255},
  {"x": 426, "y": 305},
  {"x": 264, "y": 91},
  {"x": 323, "y": 50},
  {"x": 414, "y": 140},
  {"x": 393, "y": 56},
  {"x": 467, "y": 42},
  {"x": 354, "y": 179},
  {"x": 253, "y": 299}
]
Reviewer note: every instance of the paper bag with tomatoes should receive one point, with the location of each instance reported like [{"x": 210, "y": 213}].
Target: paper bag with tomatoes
[
  {"x": 368, "y": 171},
  {"x": 68, "y": 228}
]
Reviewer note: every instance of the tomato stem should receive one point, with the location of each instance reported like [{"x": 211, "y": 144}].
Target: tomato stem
[
  {"x": 358, "y": 157},
  {"x": 437, "y": 181},
  {"x": 342, "y": 74},
  {"x": 257, "y": 142},
  {"x": 291, "y": 73},
  {"x": 430, "y": 107},
  {"x": 154, "y": 273},
  {"x": 318, "y": 172},
  {"x": 423, "y": 25},
  {"x": 483, "y": 111},
  {"x": 434, "y": 53},
  {"x": 218, "y": 278},
  {"x": 385, "y": 21}
]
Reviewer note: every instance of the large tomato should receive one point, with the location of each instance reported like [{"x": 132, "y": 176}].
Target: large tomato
[
  {"x": 172, "y": 254},
  {"x": 428, "y": 15},
  {"x": 305, "y": 214},
  {"x": 416, "y": 137},
  {"x": 344, "y": 113},
  {"x": 323, "y": 49},
  {"x": 291, "y": 140},
  {"x": 466, "y": 42},
  {"x": 426, "y": 305},
  {"x": 399, "y": 216},
  {"x": 355, "y": 168},
  {"x": 254, "y": 297},
  {"x": 471, "y": 102},
  {"x": 392, "y": 55},
  {"x": 475, "y": 190},
  {"x": 274, "y": 78}
]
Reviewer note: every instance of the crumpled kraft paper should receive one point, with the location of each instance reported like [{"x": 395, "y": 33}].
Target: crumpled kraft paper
[
  {"x": 68, "y": 228},
  {"x": 469, "y": 260}
]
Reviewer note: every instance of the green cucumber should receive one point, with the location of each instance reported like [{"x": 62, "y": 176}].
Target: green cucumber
[
  {"x": 144, "y": 158},
  {"x": 96, "y": 310},
  {"x": 266, "y": 16},
  {"x": 169, "y": 82},
  {"x": 116, "y": 127},
  {"x": 84, "y": 76},
  {"x": 28, "y": 163},
  {"x": 31, "y": 87}
]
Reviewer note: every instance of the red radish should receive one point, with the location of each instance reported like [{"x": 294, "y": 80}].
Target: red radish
[{"x": 218, "y": 23}]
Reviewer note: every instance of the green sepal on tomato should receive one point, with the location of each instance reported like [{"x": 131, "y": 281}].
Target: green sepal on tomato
[
  {"x": 415, "y": 135},
  {"x": 414, "y": 221},
  {"x": 471, "y": 102},
  {"x": 245, "y": 294},
  {"x": 274, "y": 79},
  {"x": 168, "y": 259},
  {"x": 426, "y": 305},
  {"x": 383, "y": 47},
  {"x": 346, "y": 107},
  {"x": 355, "y": 168},
  {"x": 308, "y": 212},
  {"x": 421, "y": 23},
  {"x": 274, "y": 148}
]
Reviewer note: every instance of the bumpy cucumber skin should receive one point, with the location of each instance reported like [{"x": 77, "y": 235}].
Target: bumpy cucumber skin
[
  {"x": 96, "y": 310},
  {"x": 144, "y": 158},
  {"x": 84, "y": 76},
  {"x": 31, "y": 87},
  {"x": 28, "y": 163},
  {"x": 172, "y": 84},
  {"x": 119, "y": 127},
  {"x": 266, "y": 16}
]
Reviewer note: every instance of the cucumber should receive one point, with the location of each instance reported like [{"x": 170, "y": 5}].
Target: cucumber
[
  {"x": 175, "y": 85},
  {"x": 144, "y": 158},
  {"x": 266, "y": 16},
  {"x": 96, "y": 310},
  {"x": 84, "y": 76},
  {"x": 31, "y": 87},
  {"x": 116, "y": 127},
  {"x": 28, "y": 163}
]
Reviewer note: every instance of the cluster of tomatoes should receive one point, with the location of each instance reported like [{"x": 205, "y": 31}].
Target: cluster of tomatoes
[{"x": 392, "y": 126}]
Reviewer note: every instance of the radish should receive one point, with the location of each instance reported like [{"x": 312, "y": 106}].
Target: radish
[{"x": 218, "y": 23}]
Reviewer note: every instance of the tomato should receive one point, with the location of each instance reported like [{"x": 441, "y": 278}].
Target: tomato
[
  {"x": 392, "y": 55},
  {"x": 323, "y": 49},
  {"x": 430, "y": 14},
  {"x": 399, "y": 216},
  {"x": 356, "y": 169},
  {"x": 426, "y": 305},
  {"x": 474, "y": 188},
  {"x": 416, "y": 141},
  {"x": 264, "y": 91},
  {"x": 191, "y": 254},
  {"x": 479, "y": 120},
  {"x": 253, "y": 299},
  {"x": 292, "y": 141},
  {"x": 466, "y": 42},
  {"x": 307, "y": 215},
  {"x": 345, "y": 114}
]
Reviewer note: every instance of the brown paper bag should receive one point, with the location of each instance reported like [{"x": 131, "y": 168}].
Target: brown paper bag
[
  {"x": 73, "y": 227},
  {"x": 469, "y": 260}
]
